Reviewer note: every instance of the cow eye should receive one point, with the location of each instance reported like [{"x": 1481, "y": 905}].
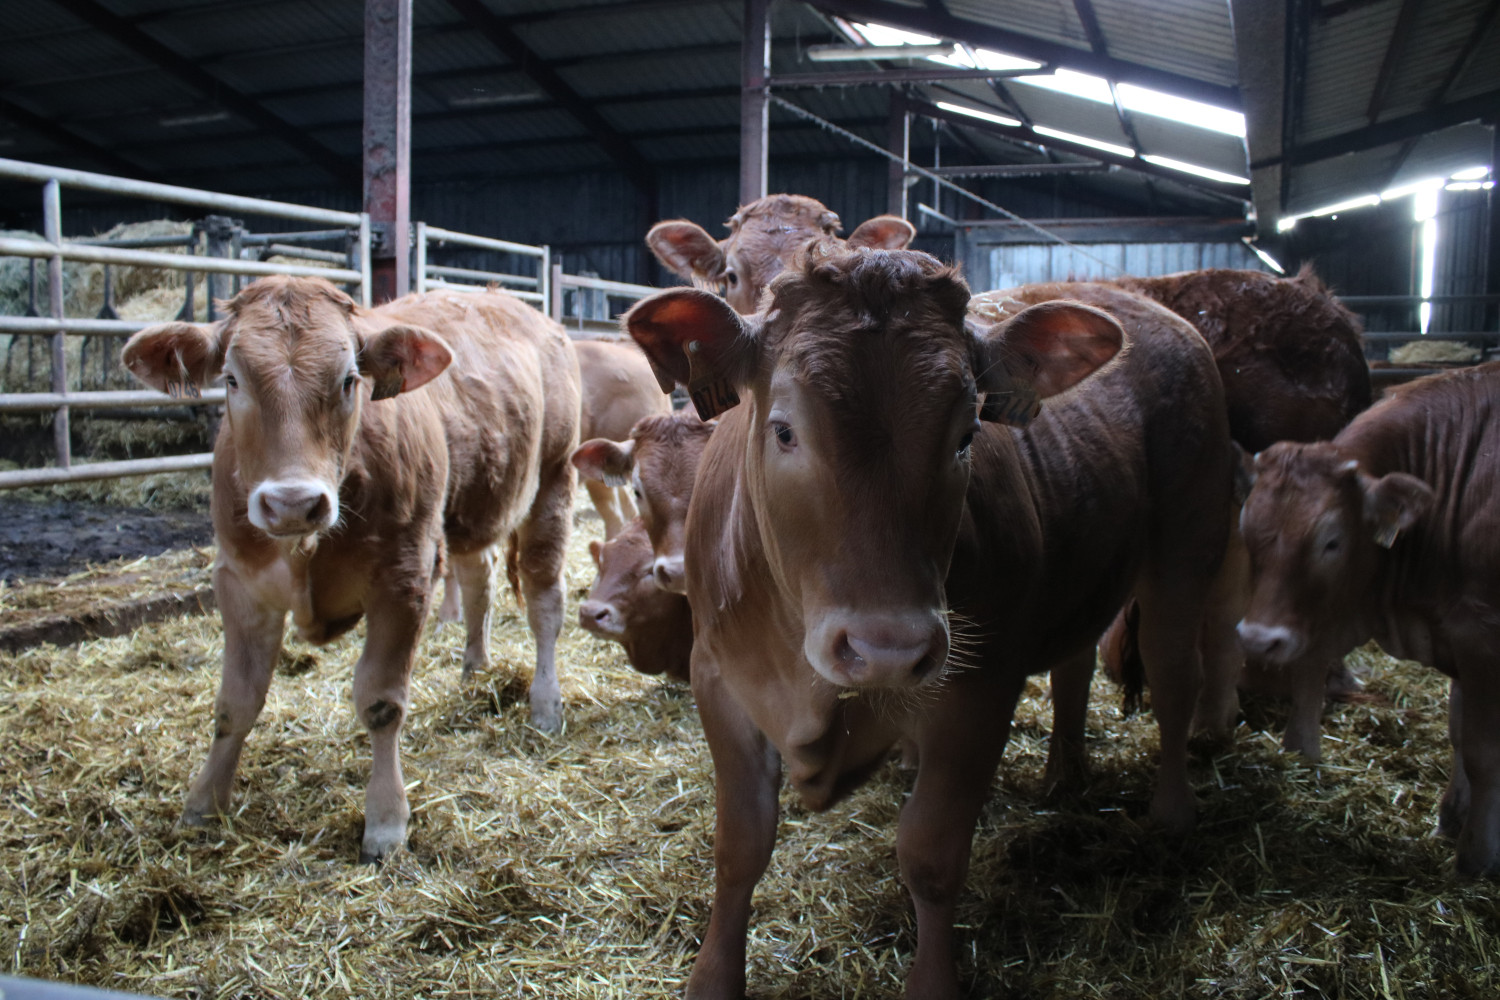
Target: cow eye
[
  {"x": 348, "y": 383},
  {"x": 785, "y": 436},
  {"x": 230, "y": 381},
  {"x": 732, "y": 279},
  {"x": 967, "y": 440},
  {"x": 1332, "y": 545}
]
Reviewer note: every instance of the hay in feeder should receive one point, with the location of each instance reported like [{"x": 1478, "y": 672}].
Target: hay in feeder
[
  {"x": 1418, "y": 352},
  {"x": 581, "y": 865}
]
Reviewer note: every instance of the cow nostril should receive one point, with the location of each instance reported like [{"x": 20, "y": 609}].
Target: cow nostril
[
  {"x": 601, "y": 614},
  {"x": 319, "y": 510}
]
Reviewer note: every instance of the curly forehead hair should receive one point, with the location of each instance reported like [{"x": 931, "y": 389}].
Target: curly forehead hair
[
  {"x": 289, "y": 299},
  {"x": 788, "y": 211}
]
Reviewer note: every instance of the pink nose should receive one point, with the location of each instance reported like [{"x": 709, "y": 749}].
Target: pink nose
[
  {"x": 599, "y": 618},
  {"x": 293, "y": 507},
  {"x": 898, "y": 650},
  {"x": 669, "y": 575},
  {"x": 1272, "y": 644}
]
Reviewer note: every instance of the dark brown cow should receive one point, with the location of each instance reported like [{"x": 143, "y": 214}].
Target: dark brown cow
[
  {"x": 660, "y": 461},
  {"x": 626, "y": 605},
  {"x": 764, "y": 237},
  {"x": 852, "y": 509},
  {"x": 1391, "y": 531},
  {"x": 1289, "y": 353},
  {"x": 333, "y": 507}
]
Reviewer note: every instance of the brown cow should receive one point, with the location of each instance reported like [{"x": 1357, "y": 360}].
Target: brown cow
[
  {"x": 764, "y": 237},
  {"x": 333, "y": 507},
  {"x": 660, "y": 461},
  {"x": 626, "y": 605},
  {"x": 852, "y": 508},
  {"x": 618, "y": 390},
  {"x": 1391, "y": 532}
]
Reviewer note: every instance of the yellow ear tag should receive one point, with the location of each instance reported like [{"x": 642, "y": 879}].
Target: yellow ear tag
[
  {"x": 711, "y": 395},
  {"x": 181, "y": 386},
  {"x": 1386, "y": 536}
]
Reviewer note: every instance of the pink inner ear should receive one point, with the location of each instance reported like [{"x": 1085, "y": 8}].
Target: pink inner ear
[
  {"x": 884, "y": 232},
  {"x": 1063, "y": 343}
]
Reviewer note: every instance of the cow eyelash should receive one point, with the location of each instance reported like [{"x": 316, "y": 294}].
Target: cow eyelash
[{"x": 786, "y": 438}]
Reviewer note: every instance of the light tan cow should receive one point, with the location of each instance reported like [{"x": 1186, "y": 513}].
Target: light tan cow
[
  {"x": 619, "y": 389},
  {"x": 764, "y": 236},
  {"x": 334, "y": 501}
]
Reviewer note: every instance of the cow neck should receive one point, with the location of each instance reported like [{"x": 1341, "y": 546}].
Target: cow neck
[{"x": 298, "y": 555}]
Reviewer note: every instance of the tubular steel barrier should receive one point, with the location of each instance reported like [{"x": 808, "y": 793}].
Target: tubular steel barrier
[
  {"x": 226, "y": 242},
  {"x": 578, "y": 325},
  {"x": 426, "y": 276}
]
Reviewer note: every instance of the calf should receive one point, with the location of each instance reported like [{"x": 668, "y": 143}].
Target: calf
[
  {"x": 626, "y": 605},
  {"x": 764, "y": 237},
  {"x": 1391, "y": 532},
  {"x": 865, "y": 498},
  {"x": 618, "y": 391},
  {"x": 660, "y": 461},
  {"x": 332, "y": 500}
]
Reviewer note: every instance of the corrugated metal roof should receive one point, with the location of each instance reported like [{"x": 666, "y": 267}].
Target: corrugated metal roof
[
  {"x": 1190, "y": 37},
  {"x": 1344, "y": 56}
]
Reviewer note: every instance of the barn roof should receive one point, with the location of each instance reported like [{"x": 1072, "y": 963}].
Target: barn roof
[{"x": 1340, "y": 98}]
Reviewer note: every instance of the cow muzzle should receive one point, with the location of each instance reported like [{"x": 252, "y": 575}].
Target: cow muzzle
[
  {"x": 669, "y": 575},
  {"x": 1274, "y": 645},
  {"x": 293, "y": 508},
  {"x": 863, "y": 650},
  {"x": 600, "y": 618}
]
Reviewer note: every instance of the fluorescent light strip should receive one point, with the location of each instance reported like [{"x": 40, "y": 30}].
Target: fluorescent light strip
[
  {"x": 976, "y": 113},
  {"x": 1084, "y": 140},
  {"x": 1470, "y": 174},
  {"x": 1193, "y": 168}
]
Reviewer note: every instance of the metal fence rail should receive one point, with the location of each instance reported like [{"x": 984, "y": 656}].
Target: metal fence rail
[
  {"x": 426, "y": 276},
  {"x": 56, "y": 326},
  {"x": 579, "y": 325}
]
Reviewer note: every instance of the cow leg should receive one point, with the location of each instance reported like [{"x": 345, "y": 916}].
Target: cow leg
[
  {"x": 1304, "y": 723},
  {"x": 474, "y": 572},
  {"x": 1171, "y": 617},
  {"x": 605, "y": 503},
  {"x": 1479, "y": 711},
  {"x": 1067, "y": 761},
  {"x": 1219, "y": 643},
  {"x": 628, "y": 511},
  {"x": 543, "y": 548},
  {"x": 450, "y": 609},
  {"x": 959, "y": 751},
  {"x": 252, "y": 644},
  {"x": 1454, "y": 808},
  {"x": 747, "y": 775},
  {"x": 382, "y": 684}
]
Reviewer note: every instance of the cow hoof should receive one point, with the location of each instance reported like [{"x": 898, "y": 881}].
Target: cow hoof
[
  {"x": 1176, "y": 815},
  {"x": 381, "y": 845},
  {"x": 1478, "y": 862},
  {"x": 192, "y": 819},
  {"x": 1451, "y": 816},
  {"x": 1309, "y": 749},
  {"x": 547, "y": 716},
  {"x": 474, "y": 666}
]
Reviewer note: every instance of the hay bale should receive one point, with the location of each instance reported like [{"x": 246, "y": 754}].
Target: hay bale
[{"x": 1419, "y": 352}]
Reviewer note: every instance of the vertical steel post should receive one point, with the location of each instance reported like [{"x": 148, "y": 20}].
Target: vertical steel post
[
  {"x": 544, "y": 279},
  {"x": 555, "y": 282},
  {"x": 52, "y": 230},
  {"x": 387, "y": 141},
  {"x": 419, "y": 258},
  {"x": 898, "y": 142},
  {"x": 755, "y": 100},
  {"x": 366, "y": 269},
  {"x": 1492, "y": 275}
]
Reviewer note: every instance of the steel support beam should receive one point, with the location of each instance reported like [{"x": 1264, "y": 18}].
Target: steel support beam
[
  {"x": 387, "y": 143},
  {"x": 211, "y": 87},
  {"x": 755, "y": 101},
  {"x": 898, "y": 142},
  {"x": 895, "y": 76},
  {"x": 1393, "y": 130},
  {"x": 53, "y": 132},
  {"x": 499, "y": 34},
  {"x": 932, "y": 22},
  {"x": 1405, "y": 22}
]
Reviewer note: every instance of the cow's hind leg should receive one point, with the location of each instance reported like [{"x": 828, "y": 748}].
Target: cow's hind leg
[
  {"x": 1479, "y": 727},
  {"x": 1067, "y": 760},
  {"x": 605, "y": 502},
  {"x": 252, "y": 643},
  {"x": 543, "y": 548},
  {"x": 1454, "y": 809},
  {"x": 959, "y": 748},
  {"x": 394, "y": 611},
  {"x": 1171, "y": 616},
  {"x": 475, "y": 572}
]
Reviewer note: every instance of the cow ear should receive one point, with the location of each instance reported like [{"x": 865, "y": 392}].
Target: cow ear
[
  {"x": 1243, "y": 470},
  {"x": 175, "y": 358},
  {"x": 1393, "y": 503},
  {"x": 596, "y": 552},
  {"x": 401, "y": 358},
  {"x": 694, "y": 338},
  {"x": 884, "y": 232},
  {"x": 605, "y": 460},
  {"x": 686, "y": 250},
  {"x": 1039, "y": 352}
]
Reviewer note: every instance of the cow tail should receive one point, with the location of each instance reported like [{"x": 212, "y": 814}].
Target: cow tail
[{"x": 1132, "y": 667}]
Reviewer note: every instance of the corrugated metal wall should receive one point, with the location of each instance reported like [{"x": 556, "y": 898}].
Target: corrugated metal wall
[{"x": 1008, "y": 265}]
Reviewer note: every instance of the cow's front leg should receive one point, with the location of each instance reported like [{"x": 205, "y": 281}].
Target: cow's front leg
[
  {"x": 1304, "y": 723},
  {"x": 959, "y": 748},
  {"x": 394, "y": 612},
  {"x": 1067, "y": 757},
  {"x": 1454, "y": 808},
  {"x": 606, "y": 502},
  {"x": 543, "y": 548},
  {"x": 252, "y": 643},
  {"x": 1479, "y": 709},
  {"x": 747, "y": 774}
]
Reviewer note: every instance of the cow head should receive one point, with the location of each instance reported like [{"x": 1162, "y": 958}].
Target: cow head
[
  {"x": 1315, "y": 525},
  {"x": 625, "y": 604},
  {"x": 764, "y": 237},
  {"x": 298, "y": 359},
  {"x": 659, "y": 462},
  {"x": 863, "y": 391}
]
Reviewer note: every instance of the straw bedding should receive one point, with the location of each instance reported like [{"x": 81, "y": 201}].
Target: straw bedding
[{"x": 581, "y": 865}]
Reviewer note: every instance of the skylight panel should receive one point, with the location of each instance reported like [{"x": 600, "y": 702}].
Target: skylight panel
[
  {"x": 1067, "y": 81},
  {"x": 1180, "y": 109},
  {"x": 881, "y": 34},
  {"x": 1193, "y": 168},
  {"x": 976, "y": 113},
  {"x": 1083, "y": 140}
]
